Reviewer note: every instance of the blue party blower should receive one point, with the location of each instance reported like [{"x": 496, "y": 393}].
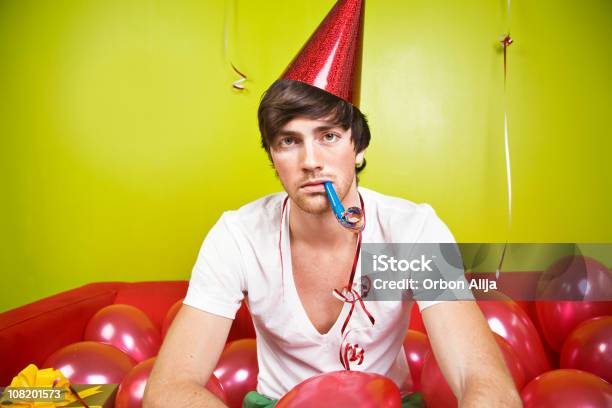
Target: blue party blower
[{"x": 351, "y": 218}]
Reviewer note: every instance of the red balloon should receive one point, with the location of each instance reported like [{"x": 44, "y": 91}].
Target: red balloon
[
  {"x": 170, "y": 315},
  {"x": 532, "y": 312},
  {"x": 416, "y": 347},
  {"x": 512, "y": 323},
  {"x": 88, "y": 362},
  {"x": 131, "y": 390},
  {"x": 437, "y": 392},
  {"x": 567, "y": 389},
  {"x": 559, "y": 318},
  {"x": 575, "y": 277},
  {"x": 343, "y": 389},
  {"x": 237, "y": 370},
  {"x": 513, "y": 362},
  {"x": 127, "y": 328},
  {"x": 589, "y": 348}
]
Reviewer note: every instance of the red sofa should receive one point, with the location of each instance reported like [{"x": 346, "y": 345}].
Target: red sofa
[{"x": 31, "y": 333}]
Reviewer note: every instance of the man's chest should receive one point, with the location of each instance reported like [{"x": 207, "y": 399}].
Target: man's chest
[{"x": 316, "y": 274}]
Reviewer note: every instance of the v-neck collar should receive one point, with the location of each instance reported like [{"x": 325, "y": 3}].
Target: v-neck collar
[{"x": 292, "y": 291}]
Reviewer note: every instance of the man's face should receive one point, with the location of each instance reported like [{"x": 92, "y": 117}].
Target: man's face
[{"x": 308, "y": 152}]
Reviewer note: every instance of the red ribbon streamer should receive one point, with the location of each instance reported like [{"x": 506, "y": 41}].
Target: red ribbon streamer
[
  {"x": 355, "y": 297},
  {"x": 350, "y": 352}
]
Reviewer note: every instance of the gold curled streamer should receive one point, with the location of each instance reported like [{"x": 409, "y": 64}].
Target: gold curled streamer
[
  {"x": 32, "y": 376},
  {"x": 228, "y": 27}
]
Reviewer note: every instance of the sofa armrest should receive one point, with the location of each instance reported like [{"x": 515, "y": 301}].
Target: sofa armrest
[{"x": 31, "y": 333}]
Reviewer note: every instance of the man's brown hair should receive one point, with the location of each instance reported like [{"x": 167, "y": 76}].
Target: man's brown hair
[{"x": 287, "y": 99}]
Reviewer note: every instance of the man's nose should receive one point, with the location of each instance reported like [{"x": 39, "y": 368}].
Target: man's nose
[{"x": 311, "y": 157}]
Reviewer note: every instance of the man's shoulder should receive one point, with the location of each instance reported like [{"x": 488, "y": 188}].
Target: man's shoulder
[
  {"x": 257, "y": 214},
  {"x": 394, "y": 205},
  {"x": 404, "y": 220}
]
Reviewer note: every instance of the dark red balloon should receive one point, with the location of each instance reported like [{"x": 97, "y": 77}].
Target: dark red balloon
[
  {"x": 416, "y": 347},
  {"x": 242, "y": 327},
  {"x": 567, "y": 389},
  {"x": 127, "y": 328},
  {"x": 416, "y": 321},
  {"x": 437, "y": 392},
  {"x": 237, "y": 370},
  {"x": 131, "y": 389},
  {"x": 512, "y": 323},
  {"x": 343, "y": 389},
  {"x": 88, "y": 362},
  {"x": 589, "y": 348},
  {"x": 170, "y": 315},
  {"x": 583, "y": 287}
]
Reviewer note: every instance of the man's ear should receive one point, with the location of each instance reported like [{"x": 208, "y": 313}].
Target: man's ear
[{"x": 359, "y": 158}]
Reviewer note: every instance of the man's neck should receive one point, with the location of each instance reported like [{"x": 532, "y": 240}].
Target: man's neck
[{"x": 321, "y": 230}]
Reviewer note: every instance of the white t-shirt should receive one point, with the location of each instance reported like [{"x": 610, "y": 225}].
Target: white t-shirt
[{"x": 240, "y": 257}]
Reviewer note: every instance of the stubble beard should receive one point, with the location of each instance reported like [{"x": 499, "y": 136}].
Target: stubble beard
[
  {"x": 313, "y": 203},
  {"x": 316, "y": 203}
]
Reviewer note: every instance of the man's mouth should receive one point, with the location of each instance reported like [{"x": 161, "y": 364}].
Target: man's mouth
[{"x": 316, "y": 186}]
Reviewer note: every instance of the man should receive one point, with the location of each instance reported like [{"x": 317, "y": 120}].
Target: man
[{"x": 286, "y": 253}]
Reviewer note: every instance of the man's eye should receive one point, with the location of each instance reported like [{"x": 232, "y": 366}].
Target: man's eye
[
  {"x": 287, "y": 141},
  {"x": 330, "y": 137}
]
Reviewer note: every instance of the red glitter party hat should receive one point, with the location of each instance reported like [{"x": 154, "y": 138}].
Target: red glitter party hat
[{"x": 331, "y": 58}]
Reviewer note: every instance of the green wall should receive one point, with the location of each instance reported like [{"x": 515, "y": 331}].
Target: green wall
[{"x": 122, "y": 140}]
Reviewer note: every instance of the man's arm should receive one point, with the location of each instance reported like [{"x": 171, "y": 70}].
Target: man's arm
[
  {"x": 186, "y": 360},
  {"x": 468, "y": 355}
]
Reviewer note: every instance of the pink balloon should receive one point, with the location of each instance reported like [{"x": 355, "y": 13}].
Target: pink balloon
[
  {"x": 343, "y": 389},
  {"x": 127, "y": 328},
  {"x": 567, "y": 389},
  {"x": 131, "y": 390},
  {"x": 170, "y": 315},
  {"x": 589, "y": 348},
  {"x": 576, "y": 277},
  {"x": 88, "y": 362},
  {"x": 416, "y": 347},
  {"x": 437, "y": 392},
  {"x": 237, "y": 370},
  {"x": 512, "y": 323}
]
